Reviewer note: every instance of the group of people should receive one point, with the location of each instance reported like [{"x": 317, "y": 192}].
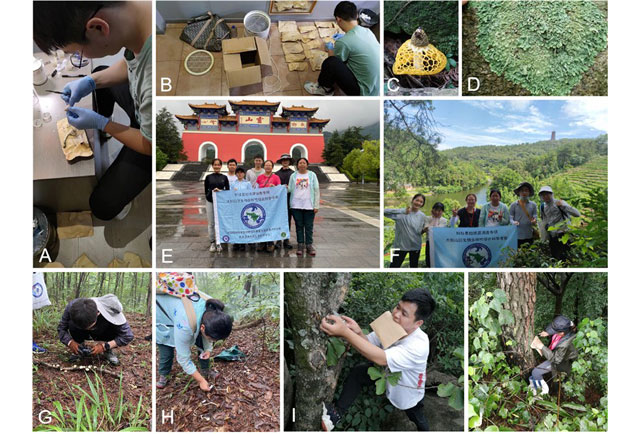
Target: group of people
[
  {"x": 303, "y": 197},
  {"x": 555, "y": 216}
]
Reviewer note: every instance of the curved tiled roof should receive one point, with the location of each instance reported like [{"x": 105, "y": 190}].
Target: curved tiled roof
[{"x": 207, "y": 106}]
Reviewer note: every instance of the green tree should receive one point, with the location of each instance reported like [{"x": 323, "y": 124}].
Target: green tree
[
  {"x": 365, "y": 162},
  {"x": 333, "y": 154},
  {"x": 168, "y": 138},
  {"x": 161, "y": 159}
]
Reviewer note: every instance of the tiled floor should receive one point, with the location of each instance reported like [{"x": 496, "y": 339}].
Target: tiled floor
[
  {"x": 346, "y": 231},
  {"x": 112, "y": 239},
  {"x": 171, "y": 52}
]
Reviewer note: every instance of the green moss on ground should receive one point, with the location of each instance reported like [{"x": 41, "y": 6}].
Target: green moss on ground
[{"x": 536, "y": 47}]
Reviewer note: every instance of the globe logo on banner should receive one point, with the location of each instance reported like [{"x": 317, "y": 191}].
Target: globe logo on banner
[
  {"x": 37, "y": 290},
  {"x": 225, "y": 239},
  {"x": 253, "y": 215},
  {"x": 476, "y": 255}
]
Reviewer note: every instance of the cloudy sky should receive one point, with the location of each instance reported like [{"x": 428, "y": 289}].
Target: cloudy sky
[
  {"x": 342, "y": 113},
  {"x": 508, "y": 122}
]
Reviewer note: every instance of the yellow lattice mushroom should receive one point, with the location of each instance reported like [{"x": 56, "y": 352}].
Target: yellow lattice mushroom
[{"x": 418, "y": 57}]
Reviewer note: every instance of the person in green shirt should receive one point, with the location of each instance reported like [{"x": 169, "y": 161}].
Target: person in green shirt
[
  {"x": 354, "y": 59},
  {"x": 95, "y": 30}
]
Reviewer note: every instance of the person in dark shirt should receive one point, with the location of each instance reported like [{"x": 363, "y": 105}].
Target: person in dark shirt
[
  {"x": 97, "y": 318},
  {"x": 469, "y": 216},
  {"x": 284, "y": 174},
  {"x": 213, "y": 183}
]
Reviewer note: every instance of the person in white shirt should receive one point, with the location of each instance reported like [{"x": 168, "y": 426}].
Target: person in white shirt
[
  {"x": 408, "y": 356},
  {"x": 257, "y": 170},
  {"x": 231, "y": 167}
]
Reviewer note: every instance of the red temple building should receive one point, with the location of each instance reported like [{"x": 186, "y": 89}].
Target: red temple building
[{"x": 252, "y": 128}]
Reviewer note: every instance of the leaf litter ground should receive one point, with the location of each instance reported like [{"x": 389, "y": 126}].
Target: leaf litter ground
[
  {"x": 246, "y": 395},
  {"x": 51, "y": 384}
]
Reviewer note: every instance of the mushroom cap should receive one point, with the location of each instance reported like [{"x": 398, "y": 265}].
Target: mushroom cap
[{"x": 418, "y": 60}]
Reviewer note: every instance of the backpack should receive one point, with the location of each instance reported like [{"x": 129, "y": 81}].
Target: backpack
[
  {"x": 183, "y": 286},
  {"x": 564, "y": 214}
]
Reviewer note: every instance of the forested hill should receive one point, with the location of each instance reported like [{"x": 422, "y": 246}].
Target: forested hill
[
  {"x": 565, "y": 151},
  {"x": 407, "y": 162}
]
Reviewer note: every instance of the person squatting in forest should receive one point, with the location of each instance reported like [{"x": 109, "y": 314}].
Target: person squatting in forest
[
  {"x": 560, "y": 353},
  {"x": 97, "y": 318},
  {"x": 408, "y": 355}
]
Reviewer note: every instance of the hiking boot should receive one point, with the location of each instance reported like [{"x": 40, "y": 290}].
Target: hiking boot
[
  {"x": 310, "y": 250},
  {"x": 112, "y": 358},
  {"x": 271, "y": 248},
  {"x": 330, "y": 417},
  {"x": 314, "y": 88},
  {"x": 212, "y": 247},
  {"x": 162, "y": 381},
  {"x": 287, "y": 245},
  {"x": 300, "y": 250},
  {"x": 37, "y": 349}
]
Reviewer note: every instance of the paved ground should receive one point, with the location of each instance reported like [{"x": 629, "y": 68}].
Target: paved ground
[{"x": 346, "y": 231}]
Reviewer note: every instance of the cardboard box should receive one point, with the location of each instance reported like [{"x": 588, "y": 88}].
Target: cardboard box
[
  {"x": 246, "y": 61},
  {"x": 388, "y": 331}
]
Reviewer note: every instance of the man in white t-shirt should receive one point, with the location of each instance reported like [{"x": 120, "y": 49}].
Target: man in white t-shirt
[
  {"x": 257, "y": 170},
  {"x": 408, "y": 356}
]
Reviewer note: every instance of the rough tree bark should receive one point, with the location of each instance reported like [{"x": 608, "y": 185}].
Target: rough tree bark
[
  {"x": 557, "y": 284},
  {"x": 521, "y": 298},
  {"x": 309, "y": 297},
  {"x": 149, "y": 296}
]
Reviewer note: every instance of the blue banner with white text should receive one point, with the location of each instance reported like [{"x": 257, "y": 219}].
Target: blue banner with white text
[
  {"x": 486, "y": 247},
  {"x": 251, "y": 216}
]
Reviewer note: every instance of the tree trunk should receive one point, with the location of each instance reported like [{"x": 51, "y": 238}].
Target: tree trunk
[
  {"x": 557, "y": 284},
  {"x": 309, "y": 297},
  {"x": 80, "y": 278},
  {"x": 247, "y": 286},
  {"x": 149, "y": 296},
  {"x": 521, "y": 298}
]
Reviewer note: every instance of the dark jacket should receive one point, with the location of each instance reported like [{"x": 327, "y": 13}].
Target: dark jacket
[
  {"x": 563, "y": 355},
  {"x": 103, "y": 330},
  {"x": 284, "y": 175},
  {"x": 466, "y": 221},
  {"x": 213, "y": 181}
]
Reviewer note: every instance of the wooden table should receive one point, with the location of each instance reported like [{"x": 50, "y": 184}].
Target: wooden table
[{"x": 60, "y": 185}]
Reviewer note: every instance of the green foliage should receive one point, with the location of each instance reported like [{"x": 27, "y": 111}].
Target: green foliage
[
  {"x": 454, "y": 392},
  {"x": 439, "y": 19},
  {"x": 587, "y": 237},
  {"x": 168, "y": 138},
  {"x": 132, "y": 289},
  {"x": 341, "y": 144},
  {"x": 364, "y": 162},
  {"x": 369, "y": 295},
  {"x": 545, "y": 46},
  {"x": 161, "y": 159},
  {"x": 382, "y": 376},
  {"x": 247, "y": 296},
  {"x": 335, "y": 350},
  {"x": 92, "y": 411},
  {"x": 498, "y": 395}
]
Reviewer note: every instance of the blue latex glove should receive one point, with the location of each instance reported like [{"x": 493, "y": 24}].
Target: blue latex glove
[
  {"x": 337, "y": 36},
  {"x": 78, "y": 89},
  {"x": 85, "y": 119},
  {"x": 329, "y": 45}
]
